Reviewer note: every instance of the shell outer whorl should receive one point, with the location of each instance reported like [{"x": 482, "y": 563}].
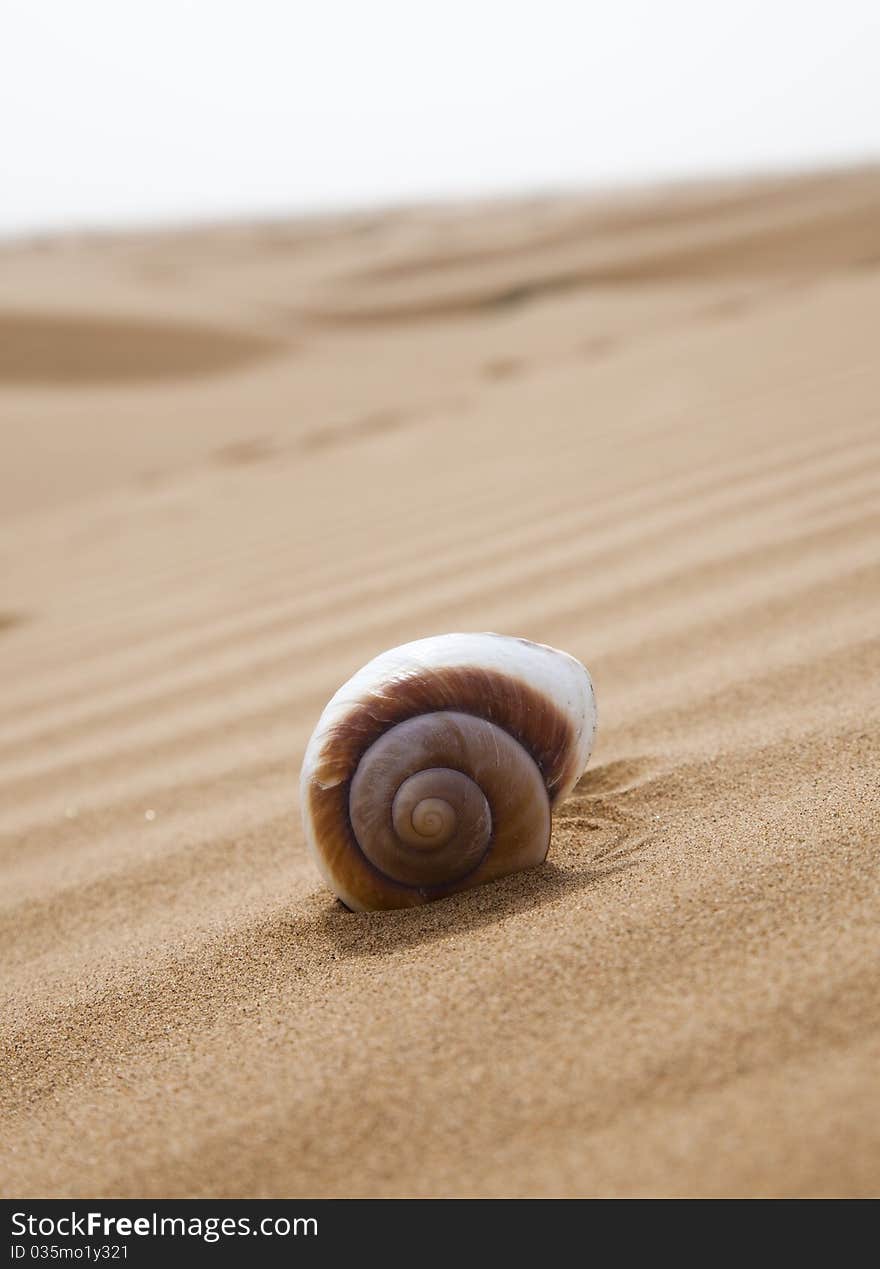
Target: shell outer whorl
[
  {"x": 540, "y": 726},
  {"x": 528, "y": 715}
]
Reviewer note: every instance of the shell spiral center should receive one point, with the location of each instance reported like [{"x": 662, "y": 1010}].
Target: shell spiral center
[
  {"x": 434, "y": 795},
  {"x": 431, "y": 807}
]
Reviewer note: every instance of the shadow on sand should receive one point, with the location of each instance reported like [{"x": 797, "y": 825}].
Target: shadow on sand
[{"x": 609, "y": 841}]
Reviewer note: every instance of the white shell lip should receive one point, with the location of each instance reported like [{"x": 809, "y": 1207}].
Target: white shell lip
[{"x": 556, "y": 674}]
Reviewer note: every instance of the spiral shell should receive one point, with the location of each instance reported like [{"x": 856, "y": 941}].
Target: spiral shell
[{"x": 436, "y": 767}]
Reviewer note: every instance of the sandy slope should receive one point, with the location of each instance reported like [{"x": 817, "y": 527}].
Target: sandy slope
[{"x": 236, "y": 464}]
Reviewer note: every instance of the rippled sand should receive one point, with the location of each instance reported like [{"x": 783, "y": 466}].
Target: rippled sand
[{"x": 237, "y": 462}]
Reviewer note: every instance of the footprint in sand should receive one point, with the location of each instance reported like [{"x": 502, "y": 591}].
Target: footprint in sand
[
  {"x": 504, "y": 367},
  {"x": 9, "y": 620},
  {"x": 245, "y": 453}
]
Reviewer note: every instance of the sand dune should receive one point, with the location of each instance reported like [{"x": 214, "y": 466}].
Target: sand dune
[
  {"x": 772, "y": 234},
  {"x": 47, "y": 348},
  {"x": 644, "y": 429}
]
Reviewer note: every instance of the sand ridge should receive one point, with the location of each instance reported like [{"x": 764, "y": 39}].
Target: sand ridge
[{"x": 643, "y": 428}]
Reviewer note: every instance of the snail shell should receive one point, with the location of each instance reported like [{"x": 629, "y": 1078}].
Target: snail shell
[{"x": 435, "y": 768}]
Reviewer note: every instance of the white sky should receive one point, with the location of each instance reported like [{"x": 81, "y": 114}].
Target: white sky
[{"x": 117, "y": 111}]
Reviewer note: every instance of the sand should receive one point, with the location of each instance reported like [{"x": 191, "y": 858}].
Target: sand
[{"x": 240, "y": 461}]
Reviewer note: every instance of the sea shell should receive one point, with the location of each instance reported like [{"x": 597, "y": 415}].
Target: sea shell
[{"x": 436, "y": 766}]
